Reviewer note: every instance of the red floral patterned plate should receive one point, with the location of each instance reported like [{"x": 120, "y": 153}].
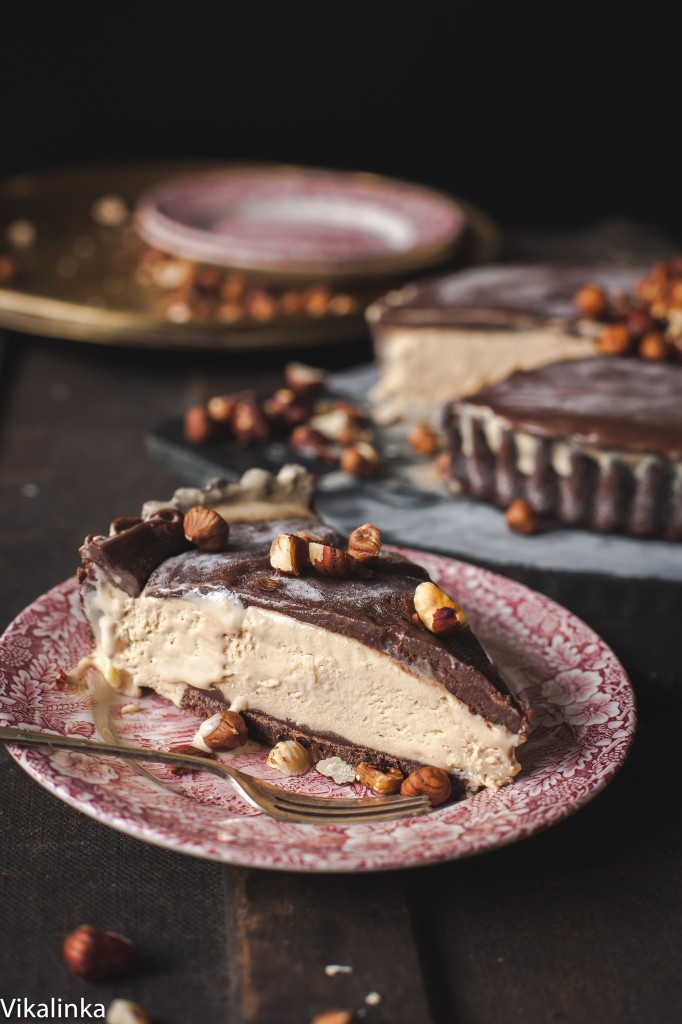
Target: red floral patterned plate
[{"x": 583, "y": 725}]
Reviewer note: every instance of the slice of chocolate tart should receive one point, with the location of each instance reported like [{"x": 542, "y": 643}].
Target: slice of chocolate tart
[{"x": 328, "y": 649}]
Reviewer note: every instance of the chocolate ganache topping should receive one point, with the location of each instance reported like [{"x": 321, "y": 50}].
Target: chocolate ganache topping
[
  {"x": 611, "y": 404},
  {"x": 368, "y": 610},
  {"x": 513, "y": 297}
]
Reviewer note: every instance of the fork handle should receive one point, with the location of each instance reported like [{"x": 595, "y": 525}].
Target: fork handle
[{"x": 31, "y": 738}]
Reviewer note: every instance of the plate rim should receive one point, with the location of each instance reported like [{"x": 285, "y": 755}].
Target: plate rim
[
  {"x": 157, "y": 229},
  {"x": 555, "y": 814}
]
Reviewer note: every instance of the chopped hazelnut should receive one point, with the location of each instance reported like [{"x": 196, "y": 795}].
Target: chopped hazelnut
[
  {"x": 437, "y": 611},
  {"x": 198, "y": 427},
  {"x": 248, "y": 421},
  {"x": 360, "y": 460},
  {"x": 379, "y": 781},
  {"x": 423, "y": 439},
  {"x": 330, "y": 561},
  {"x": 289, "y": 554},
  {"x": 225, "y": 730}
]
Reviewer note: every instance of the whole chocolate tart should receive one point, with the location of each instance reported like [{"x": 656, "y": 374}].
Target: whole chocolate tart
[
  {"x": 453, "y": 335},
  {"x": 341, "y": 664},
  {"x": 595, "y": 443}
]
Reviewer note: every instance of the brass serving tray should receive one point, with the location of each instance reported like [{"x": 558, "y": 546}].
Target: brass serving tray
[{"x": 78, "y": 279}]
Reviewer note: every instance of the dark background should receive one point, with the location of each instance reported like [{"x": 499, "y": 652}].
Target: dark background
[{"x": 542, "y": 114}]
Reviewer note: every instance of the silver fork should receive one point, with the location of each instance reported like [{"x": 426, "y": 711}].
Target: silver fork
[{"x": 293, "y": 807}]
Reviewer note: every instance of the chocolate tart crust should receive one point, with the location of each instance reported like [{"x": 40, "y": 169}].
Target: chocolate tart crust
[{"x": 268, "y": 730}]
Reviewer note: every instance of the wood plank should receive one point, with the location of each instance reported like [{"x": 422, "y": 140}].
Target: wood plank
[{"x": 287, "y": 928}]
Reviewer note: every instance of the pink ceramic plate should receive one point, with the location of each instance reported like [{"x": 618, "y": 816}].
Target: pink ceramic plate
[
  {"x": 583, "y": 725},
  {"x": 299, "y": 221}
]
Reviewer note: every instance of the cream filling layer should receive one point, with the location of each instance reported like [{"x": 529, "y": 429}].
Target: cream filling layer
[
  {"x": 293, "y": 670},
  {"x": 422, "y": 368}
]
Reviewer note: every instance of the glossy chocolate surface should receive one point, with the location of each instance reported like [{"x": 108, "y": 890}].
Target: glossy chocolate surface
[
  {"x": 613, "y": 404},
  {"x": 511, "y": 297}
]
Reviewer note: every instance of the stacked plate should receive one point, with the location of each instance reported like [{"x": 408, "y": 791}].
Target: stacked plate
[{"x": 231, "y": 256}]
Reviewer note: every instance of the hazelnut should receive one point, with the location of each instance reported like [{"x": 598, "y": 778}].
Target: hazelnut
[
  {"x": 190, "y": 751},
  {"x": 198, "y": 425},
  {"x": 522, "y": 517},
  {"x": 221, "y": 407},
  {"x": 123, "y": 1011},
  {"x": 379, "y": 781},
  {"x": 360, "y": 460},
  {"x": 307, "y": 439},
  {"x": 290, "y": 757},
  {"x": 229, "y": 312},
  {"x": 248, "y": 421},
  {"x": 591, "y": 300},
  {"x": 639, "y": 323},
  {"x": 423, "y": 439},
  {"x": 225, "y": 730},
  {"x": 290, "y": 303},
  {"x": 8, "y": 270},
  {"x": 365, "y": 543},
  {"x": 335, "y": 1017},
  {"x": 443, "y": 464},
  {"x": 315, "y": 300},
  {"x": 329, "y": 561},
  {"x": 287, "y": 407},
  {"x": 306, "y": 381},
  {"x": 96, "y": 955},
  {"x": 437, "y": 611},
  {"x": 206, "y": 529},
  {"x": 289, "y": 553},
  {"x": 233, "y": 287},
  {"x": 338, "y": 424},
  {"x": 260, "y": 305},
  {"x": 653, "y": 346},
  {"x": 342, "y": 305},
  {"x": 207, "y": 279},
  {"x": 432, "y": 782},
  {"x": 614, "y": 340}
]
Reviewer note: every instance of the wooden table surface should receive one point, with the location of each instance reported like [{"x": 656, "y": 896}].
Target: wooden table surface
[{"x": 578, "y": 924}]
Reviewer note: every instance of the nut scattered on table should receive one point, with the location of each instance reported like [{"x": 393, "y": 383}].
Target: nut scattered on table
[
  {"x": 378, "y": 780},
  {"x": 289, "y": 554},
  {"x": 226, "y": 730},
  {"x": 206, "y": 529},
  {"x": 653, "y": 347},
  {"x": 249, "y": 422},
  {"x": 290, "y": 757},
  {"x": 199, "y": 426},
  {"x": 432, "y": 782},
  {"x": 97, "y": 955},
  {"x": 306, "y": 381},
  {"x": 360, "y": 460},
  {"x": 364, "y": 543},
  {"x": 614, "y": 340},
  {"x": 423, "y": 439},
  {"x": 522, "y": 517},
  {"x": 8, "y": 270},
  {"x": 336, "y": 1017},
  {"x": 591, "y": 300},
  {"x": 436, "y": 609},
  {"x": 124, "y": 1011}
]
